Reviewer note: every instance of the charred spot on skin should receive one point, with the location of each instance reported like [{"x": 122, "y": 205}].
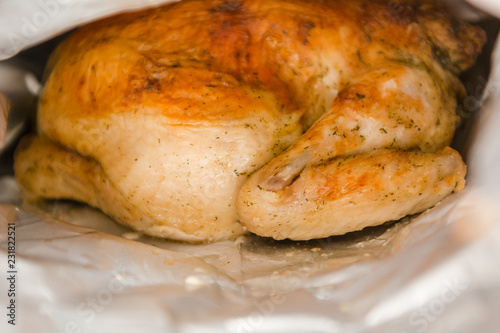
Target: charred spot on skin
[
  {"x": 307, "y": 26},
  {"x": 404, "y": 13},
  {"x": 152, "y": 84},
  {"x": 442, "y": 56},
  {"x": 227, "y": 7},
  {"x": 304, "y": 31}
]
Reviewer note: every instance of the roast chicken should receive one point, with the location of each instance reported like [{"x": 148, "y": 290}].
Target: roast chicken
[{"x": 201, "y": 120}]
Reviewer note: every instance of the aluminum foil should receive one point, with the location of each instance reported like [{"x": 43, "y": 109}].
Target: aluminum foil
[
  {"x": 79, "y": 271},
  {"x": 21, "y": 87},
  {"x": 24, "y": 23}
]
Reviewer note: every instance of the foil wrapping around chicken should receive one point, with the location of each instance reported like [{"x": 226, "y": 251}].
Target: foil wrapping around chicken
[{"x": 79, "y": 271}]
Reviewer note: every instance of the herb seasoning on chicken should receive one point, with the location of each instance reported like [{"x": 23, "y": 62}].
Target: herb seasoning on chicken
[{"x": 289, "y": 118}]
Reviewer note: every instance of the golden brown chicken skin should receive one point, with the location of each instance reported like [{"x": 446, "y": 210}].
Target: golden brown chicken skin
[{"x": 187, "y": 121}]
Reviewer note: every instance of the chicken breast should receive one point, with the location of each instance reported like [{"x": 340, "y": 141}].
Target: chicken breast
[{"x": 187, "y": 121}]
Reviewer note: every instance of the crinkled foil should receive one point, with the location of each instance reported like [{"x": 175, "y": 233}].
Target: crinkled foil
[
  {"x": 24, "y": 23},
  {"x": 78, "y": 271}
]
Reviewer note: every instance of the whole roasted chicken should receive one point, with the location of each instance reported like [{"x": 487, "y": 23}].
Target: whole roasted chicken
[{"x": 292, "y": 119}]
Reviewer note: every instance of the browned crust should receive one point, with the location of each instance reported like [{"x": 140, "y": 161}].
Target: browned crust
[{"x": 133, "y": 59}]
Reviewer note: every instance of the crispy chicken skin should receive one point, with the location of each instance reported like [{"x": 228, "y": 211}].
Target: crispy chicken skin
[{"x": 187, "y": 121}]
